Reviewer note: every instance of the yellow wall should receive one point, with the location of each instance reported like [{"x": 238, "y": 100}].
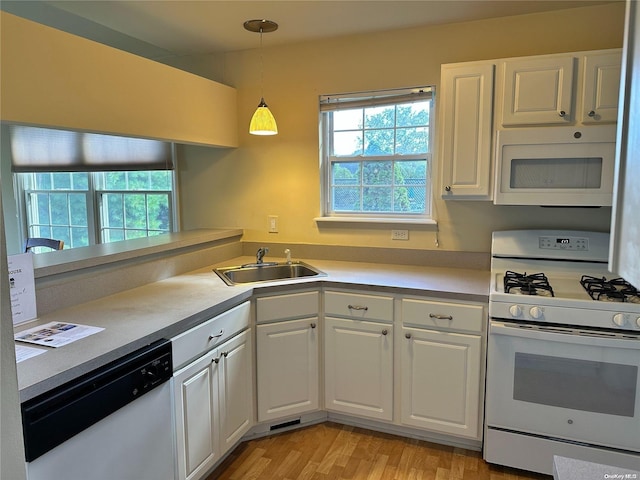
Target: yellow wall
[
  {"x": 279, "y": 175},
  {"x": 52, "y": 78}
]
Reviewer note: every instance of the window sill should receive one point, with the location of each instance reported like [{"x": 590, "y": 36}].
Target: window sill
[{"x": 381, "y": 222}]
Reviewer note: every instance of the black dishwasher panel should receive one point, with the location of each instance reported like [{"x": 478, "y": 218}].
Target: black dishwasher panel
[{"x": 55, "y": 416}]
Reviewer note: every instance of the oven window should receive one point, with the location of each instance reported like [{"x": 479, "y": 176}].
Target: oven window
[
  {"x": 586, "y": 385},
  {"x": 556, "y": 173}
]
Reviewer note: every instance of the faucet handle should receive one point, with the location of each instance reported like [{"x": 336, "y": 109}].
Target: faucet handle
[{"x": 287, "y": 253}]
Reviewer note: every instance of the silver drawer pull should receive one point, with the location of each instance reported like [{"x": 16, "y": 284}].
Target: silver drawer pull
[
  {"x": 358, "y": 307},
  {"x": 217, "y": 335},
  {"x": 407, "y": 335},
  {"x": 440, "y": 317},
  {"x": 313, "y": 325},
  {"x": 225, "y": 354},
  {"x": 216, "y": 360},
  {"x": 384, "y": 332}
]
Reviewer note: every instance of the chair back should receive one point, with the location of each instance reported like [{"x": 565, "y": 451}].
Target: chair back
[{"x": 43, "y": 242}]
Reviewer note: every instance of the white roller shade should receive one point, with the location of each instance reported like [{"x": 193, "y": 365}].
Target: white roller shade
[{"x": 44, "y": 149}]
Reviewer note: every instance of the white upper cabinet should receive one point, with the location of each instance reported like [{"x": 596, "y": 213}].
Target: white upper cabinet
[
  {"x": 601, "y": 87},
  {"x": 538, "y": 90},
  {"x": 565, "y": 89},
  {"x": 466, "y": 126}
]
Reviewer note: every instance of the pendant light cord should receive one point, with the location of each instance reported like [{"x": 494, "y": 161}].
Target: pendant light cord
[{"x": 261, "y": 67}]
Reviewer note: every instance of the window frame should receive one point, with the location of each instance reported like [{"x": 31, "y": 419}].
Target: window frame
[{"x": 371, "y": 99}]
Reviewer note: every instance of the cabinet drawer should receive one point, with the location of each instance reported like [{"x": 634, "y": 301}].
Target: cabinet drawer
[
  {"x": 356, "y": 305},
  {"x": 194, "y": 342},
  {"x": 432, "y": 314},
  {"x": 293, "y": 305}
]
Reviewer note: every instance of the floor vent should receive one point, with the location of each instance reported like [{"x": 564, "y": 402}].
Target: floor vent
[{"x": 285, "y": 424}]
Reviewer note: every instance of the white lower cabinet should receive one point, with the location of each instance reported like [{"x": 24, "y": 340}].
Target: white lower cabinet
[
  {"x": 287, "y": 354},
  {"x": 442, "y": 365},
  {"x": 235, "y": 389},
  {"x": 197, "y": 406},
  {"x": 287, "y": 368},
  {"x": 359, "y": 367},
  {"x": 441, "y": 381},
  {"x": 213, "y": 394}
]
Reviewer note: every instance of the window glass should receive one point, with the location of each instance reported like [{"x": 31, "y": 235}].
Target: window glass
[
  {"x": 84, "y": 208},
  {"x": 377, "y": 157}
]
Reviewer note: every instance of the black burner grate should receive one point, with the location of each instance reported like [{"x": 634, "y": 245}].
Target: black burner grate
[
  {"x": 614, "y": 290},
  {"x": 533, "y": 284}
]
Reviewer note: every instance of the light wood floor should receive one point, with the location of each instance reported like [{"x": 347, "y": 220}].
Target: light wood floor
[{"x": 332, "y": 451}]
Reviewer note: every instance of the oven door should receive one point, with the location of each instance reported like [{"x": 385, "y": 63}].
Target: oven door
[{"x": 565, "y": 384}]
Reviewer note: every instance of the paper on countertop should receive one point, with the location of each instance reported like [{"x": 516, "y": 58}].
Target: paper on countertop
[
  {"x": 56, "y": 334},
  {"x": 23, "y": 352},
  {"x": 22, "y": 287}
]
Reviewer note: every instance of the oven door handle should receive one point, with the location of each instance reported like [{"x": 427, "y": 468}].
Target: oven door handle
[{"x": 564, "y": 335}]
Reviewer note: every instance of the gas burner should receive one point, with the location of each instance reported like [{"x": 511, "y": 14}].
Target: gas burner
[
  {"x": 614, "y": 290},
  {"x": 523, "y": 284}
]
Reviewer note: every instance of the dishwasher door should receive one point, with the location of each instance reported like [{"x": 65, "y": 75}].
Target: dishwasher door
[
  {"x": 134, "y": 443},
  {"x": 114, "y": 423}
]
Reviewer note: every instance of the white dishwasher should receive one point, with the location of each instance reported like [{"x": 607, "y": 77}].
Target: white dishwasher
[{"x": 114, "y": 423}]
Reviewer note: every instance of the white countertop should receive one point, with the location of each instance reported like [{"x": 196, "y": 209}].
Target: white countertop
[{"x": 163, "y": 309}]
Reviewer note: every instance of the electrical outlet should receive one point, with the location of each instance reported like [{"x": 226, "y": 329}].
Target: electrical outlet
[
  {"x": 273, "y": 224},
  {"x": 399, "y": 234}
]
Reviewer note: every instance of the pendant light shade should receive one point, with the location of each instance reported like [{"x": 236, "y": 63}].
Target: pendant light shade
[{"x": 262, "y": 122}]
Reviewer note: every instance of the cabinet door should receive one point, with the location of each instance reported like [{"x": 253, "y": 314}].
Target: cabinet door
[
  {"x": 235, "y": 389},
  {"x": 538, "y": 91},
  {"x": 441, "y": 381},
  {"x": 196, "y": 407},
  {"x": 359, "y": 368},
  {"x": 287, "y": 368},
  {"x": 465, "y": 142},
  {"x": 601, "y": 87}
]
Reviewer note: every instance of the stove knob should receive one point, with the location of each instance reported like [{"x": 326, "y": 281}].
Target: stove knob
[
  {"x": 536, "y": 312},
  {"x": 620, "y": 319},
  {"x": 515, "y": 310}
]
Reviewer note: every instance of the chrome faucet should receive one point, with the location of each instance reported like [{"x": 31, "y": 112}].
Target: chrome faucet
[{"x": 262, "y": 251}]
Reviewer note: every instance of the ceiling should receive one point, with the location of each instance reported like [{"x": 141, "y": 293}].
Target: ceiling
[{"x": 163, "y": 28}]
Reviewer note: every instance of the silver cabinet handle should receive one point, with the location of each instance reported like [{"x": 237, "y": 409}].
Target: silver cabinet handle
[
  {"x": 225, "y": 354},
  {"x": 384, "y": 332},
  {"x": 216, "y": 360},
  {"x": 217, "y": 335},
  {"x": 440, "y": 317},
  {"x": 592, "y": 113},
  {"x": 407, "y": 335},
  {"x": 562, "y": 113},
  {"x": 448, "y": 188},
  {"x": 358, "y": 307},
  {"x": 313, "y": 325}
]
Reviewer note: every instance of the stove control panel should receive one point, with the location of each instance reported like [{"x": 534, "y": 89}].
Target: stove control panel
[{"x": 563, "y": 243}]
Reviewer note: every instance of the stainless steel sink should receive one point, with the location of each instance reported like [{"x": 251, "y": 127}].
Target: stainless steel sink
[{"x": 266, "y": 272}]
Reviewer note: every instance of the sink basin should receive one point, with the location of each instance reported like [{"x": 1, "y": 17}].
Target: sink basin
[{"x": 266, "y": 272}]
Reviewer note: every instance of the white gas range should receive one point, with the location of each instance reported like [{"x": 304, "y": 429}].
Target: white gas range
[{"x": 563, "y": 355}]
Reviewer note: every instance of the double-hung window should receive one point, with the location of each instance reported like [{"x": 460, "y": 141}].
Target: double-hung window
[
  {"x": 376, "y": 155},
  {"x": 86, "y": 188}
]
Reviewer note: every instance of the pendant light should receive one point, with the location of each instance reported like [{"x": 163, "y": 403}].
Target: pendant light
[{"x": 262, "y": 122}]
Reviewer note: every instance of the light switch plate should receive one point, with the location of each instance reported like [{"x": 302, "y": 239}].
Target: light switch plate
[{"x": 273, "y": 224}]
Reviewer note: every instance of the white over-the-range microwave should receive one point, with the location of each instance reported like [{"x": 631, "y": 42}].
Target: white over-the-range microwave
[{"x": 555, "y": 166}]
